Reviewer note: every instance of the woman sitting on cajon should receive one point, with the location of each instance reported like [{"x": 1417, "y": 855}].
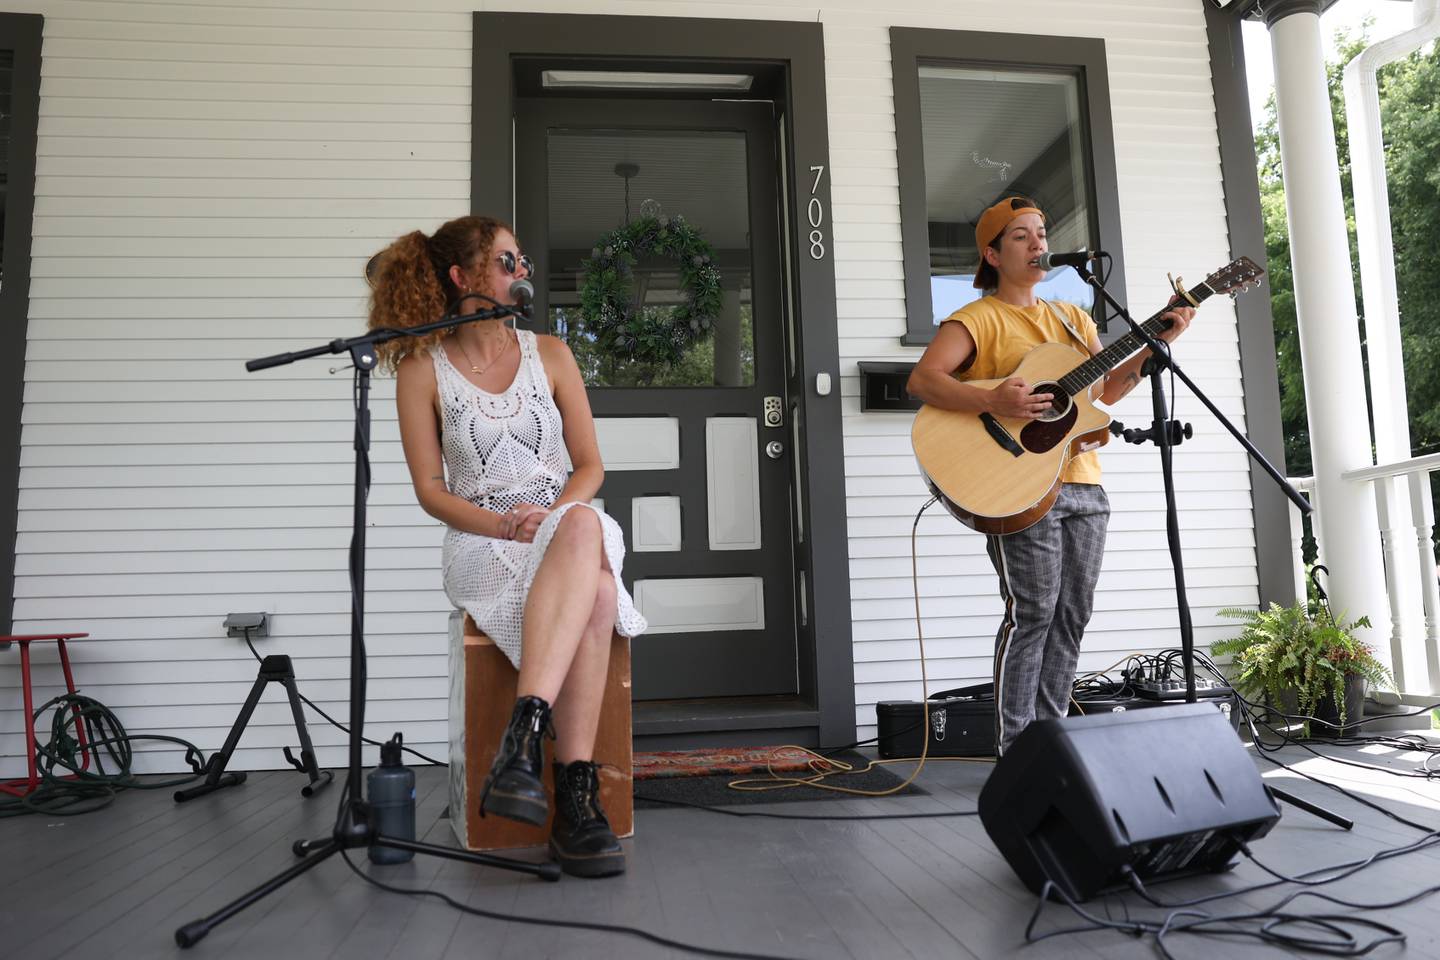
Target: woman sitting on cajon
[{"x": 526, "y": 555}]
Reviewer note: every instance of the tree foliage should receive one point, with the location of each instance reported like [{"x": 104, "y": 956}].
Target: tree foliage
[{"x": 1408, "y": 90}]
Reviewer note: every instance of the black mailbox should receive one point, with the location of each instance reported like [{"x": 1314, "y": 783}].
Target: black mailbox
[{"x": 882, "y": 386}]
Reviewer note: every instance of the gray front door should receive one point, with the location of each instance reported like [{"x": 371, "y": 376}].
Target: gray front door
[{"x": 697, "y": 452}]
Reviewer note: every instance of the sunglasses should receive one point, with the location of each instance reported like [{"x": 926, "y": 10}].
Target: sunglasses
[{"x": 509, "y": 262}]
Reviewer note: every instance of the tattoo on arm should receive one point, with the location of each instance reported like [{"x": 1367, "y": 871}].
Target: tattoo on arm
[
  {"x": 1131, "y": 380},
  {"x": 1127, "y": 383}
]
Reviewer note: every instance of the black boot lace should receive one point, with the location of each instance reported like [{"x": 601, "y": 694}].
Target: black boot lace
[{"x": 582, "y": 795}]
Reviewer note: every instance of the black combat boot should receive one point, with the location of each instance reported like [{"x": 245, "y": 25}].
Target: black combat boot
[
  {"x": 581, "y": 838},
  {"x": 513, "y": 789}
]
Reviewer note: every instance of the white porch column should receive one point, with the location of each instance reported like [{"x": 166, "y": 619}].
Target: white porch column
[
  {"x": 1384, "y": 359},
  {"x": 1328, "y": 325}
]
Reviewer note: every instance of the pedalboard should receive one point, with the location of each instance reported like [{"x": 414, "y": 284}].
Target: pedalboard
[{"x": 1205, "y": 689}]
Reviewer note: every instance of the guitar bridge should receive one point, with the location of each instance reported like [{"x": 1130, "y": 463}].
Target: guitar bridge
[{"x": 1000, "y": 435}]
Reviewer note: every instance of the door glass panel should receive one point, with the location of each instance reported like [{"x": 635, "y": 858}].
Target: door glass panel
[
  {"x": 649, "y": 262},
  {"x": 990, "y": 133}
]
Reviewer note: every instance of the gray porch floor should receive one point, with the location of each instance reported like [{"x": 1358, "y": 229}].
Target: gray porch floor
[{"x": 117, "y": 883}]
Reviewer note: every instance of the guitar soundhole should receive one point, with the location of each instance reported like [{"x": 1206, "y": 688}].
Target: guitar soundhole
[
  {"x": 1060, "y": 406},
  {"x": 1040, "y": 436}
]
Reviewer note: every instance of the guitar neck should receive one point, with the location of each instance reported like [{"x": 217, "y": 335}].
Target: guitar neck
[{"x": 1078, "y": 380}]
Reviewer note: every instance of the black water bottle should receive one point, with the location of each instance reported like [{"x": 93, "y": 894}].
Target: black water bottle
[{"x": 391, "y": 791}]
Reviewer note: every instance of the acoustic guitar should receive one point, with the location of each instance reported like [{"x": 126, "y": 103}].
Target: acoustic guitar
[{"x": 1000, "y": 474}]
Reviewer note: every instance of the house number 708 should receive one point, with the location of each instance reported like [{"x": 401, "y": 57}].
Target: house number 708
[{"x": 815, "y": 212}]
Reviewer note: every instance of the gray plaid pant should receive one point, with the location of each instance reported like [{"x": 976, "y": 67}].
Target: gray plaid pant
[{"x": 1047, "y": 579}]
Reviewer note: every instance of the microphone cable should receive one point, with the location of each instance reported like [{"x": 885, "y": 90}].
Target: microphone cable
[{"x": 556, "y": 922}]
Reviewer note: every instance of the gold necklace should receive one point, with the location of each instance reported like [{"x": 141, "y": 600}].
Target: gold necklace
[{"x": 481, "y": 370}]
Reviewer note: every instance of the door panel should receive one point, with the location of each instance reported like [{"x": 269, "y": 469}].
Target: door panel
[{"x": 696, "y": 474}]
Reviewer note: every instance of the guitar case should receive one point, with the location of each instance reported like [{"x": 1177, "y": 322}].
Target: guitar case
[{"x": 962, "y": 724}]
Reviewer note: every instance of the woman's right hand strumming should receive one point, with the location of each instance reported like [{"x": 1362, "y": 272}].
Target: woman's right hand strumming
[{"x": 1012, "y": 398}]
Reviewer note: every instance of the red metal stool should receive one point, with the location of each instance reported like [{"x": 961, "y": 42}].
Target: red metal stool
[{"x": 21, "y": 788}]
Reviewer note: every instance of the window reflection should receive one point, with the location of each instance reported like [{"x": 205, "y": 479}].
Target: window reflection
[{"x": 989, "y": 133}]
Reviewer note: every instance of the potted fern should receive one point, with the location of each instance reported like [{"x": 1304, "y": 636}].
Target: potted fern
[{"x": 1308, "y": 664}]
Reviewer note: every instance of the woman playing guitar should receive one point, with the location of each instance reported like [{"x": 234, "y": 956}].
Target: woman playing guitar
[{"x": 1047, "y": 571}]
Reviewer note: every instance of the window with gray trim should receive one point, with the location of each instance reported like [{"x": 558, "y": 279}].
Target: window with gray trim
[{"x": 982, "y": 116}]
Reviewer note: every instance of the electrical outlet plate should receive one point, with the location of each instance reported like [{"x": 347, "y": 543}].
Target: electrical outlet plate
[{"x": 255, "y": 624}]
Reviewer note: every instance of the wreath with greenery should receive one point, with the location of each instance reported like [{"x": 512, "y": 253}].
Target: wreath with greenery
[{"x": 657, "y": 335}]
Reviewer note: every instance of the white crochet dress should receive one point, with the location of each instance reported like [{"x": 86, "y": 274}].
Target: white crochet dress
[{"x": 502, "y": 449}]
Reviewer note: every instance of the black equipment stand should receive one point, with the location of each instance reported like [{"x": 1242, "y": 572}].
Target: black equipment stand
[
  {"x": 354, "y": 823},
  {"x": 275, "y": 668},
  {"x": 1166, "y": 434}
]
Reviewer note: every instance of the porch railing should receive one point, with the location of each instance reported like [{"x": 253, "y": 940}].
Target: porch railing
[{"x": 1414, "y": 599}]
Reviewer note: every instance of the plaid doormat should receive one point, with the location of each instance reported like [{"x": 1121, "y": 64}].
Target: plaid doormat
[{"x": 729, "y": 761}]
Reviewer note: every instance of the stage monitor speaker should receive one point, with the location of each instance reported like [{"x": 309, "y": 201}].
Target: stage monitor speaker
[{"x": 1165, "y": 793}]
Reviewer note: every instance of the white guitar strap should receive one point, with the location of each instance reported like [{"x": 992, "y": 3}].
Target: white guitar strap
[{"x": 1060, "y": 315}]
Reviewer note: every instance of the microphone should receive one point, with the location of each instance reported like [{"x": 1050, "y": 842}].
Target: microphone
[
  {"x": 522, "y": 292},
  {"x": 1080, "y": 258}
]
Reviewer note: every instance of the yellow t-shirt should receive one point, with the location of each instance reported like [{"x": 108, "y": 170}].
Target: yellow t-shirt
[{"x": 1004, "y": 333}]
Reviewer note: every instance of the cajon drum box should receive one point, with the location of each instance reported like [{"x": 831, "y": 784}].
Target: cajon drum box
[{"x": 482, "y": 697}]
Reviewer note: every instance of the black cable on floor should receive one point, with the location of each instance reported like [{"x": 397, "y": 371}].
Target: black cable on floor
[
  {"x": 654, "y": 938},
  {"x": 1256, "y": 716},
  {"x": 1316, "y": 877},
  {"x": 1263, "y": 751}
]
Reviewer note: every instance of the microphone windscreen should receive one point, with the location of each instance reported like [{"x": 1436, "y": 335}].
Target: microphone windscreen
[{"x": 522, "y": 291}]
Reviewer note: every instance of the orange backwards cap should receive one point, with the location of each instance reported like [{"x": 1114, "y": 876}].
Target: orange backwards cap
[{"x": 994, "y": 220}]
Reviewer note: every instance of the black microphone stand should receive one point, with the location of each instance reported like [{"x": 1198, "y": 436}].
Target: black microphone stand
[
  {"x": 1166, "y": 434},
  {"x": 354, "y": 823}
]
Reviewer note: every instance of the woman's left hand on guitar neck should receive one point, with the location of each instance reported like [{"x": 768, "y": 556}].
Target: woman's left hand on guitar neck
[{"x": 1126, "y": 377}]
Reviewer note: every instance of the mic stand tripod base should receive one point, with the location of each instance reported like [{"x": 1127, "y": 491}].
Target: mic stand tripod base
[{"x": 350, "y": 833}]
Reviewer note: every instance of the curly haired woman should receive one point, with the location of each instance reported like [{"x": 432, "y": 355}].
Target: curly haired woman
[{"x": 487, "y": 414}]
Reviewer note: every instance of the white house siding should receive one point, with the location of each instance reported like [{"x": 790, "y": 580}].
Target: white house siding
[{"x": 210, "y": 181}]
